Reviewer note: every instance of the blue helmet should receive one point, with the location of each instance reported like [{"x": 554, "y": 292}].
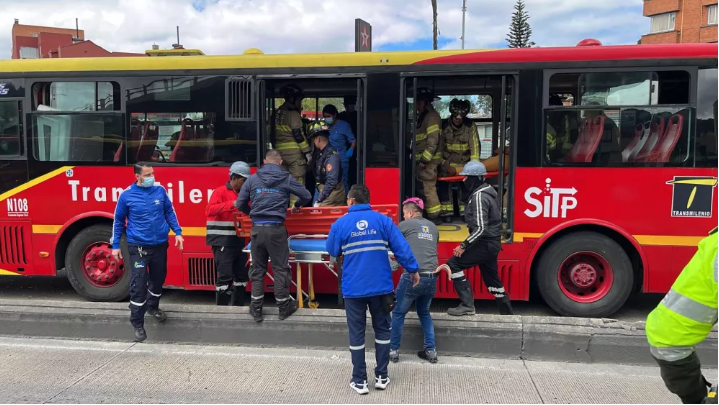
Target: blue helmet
[
  {"x": 240, "y": 169},
  {"x": 473, "y": 169}
]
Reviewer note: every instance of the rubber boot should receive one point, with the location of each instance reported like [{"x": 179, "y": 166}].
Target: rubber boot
[
  {"x": 504, "y": 305},
  {"x": 238, "y": 296},
  {"x": 223, "y": 297},
  {"x": 466, "y": 307},
  {"x": 256, "y": 311},
  {"x": 289, "y": 308}
]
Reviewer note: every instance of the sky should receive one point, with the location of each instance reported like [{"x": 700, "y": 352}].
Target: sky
[{"x": 294, "y": 26}]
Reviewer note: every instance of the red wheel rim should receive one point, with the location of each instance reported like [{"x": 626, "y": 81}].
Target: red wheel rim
[
  {"x": 585, "y": 277},
  {"x": 99, "y": 267}
]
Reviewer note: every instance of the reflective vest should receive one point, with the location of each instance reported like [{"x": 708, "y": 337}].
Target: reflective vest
[{"x": 687, "y": 313}]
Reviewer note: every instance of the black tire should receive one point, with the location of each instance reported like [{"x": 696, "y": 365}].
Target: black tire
[
  {"x": 552, "y": 258},
  {"x": 73, "y": 263}
]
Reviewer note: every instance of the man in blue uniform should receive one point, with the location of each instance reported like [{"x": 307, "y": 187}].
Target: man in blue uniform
[
  {"x": 341, "y": 138},
  {"x": 328, "y": 171},
  {"x": 150, "y": 216},
  {"x": 363, "y": 237},
  {"x": 269, "y": 192}
]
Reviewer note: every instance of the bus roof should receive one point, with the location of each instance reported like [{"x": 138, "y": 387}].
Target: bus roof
[{"x": 356, "y": 59}]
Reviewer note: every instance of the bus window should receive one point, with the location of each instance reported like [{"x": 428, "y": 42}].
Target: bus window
[
  {"x": 10, "y": 135},
  {"x": 619, "y": 119},
  {"x": 181, "y": 120},
  {"x": 706, "y": 146}
]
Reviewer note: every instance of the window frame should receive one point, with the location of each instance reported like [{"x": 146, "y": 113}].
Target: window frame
[
  {"x": 691, "y": 105},
  {"x": 22, "y": 155},
  {"x": 29, "y": 112},
  {"x": 672, "y": 16},
  {"x": 715, "y": 8}
]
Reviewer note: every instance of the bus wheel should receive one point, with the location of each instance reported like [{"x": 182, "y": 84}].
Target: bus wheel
[
  {"x": 92, "y": 270},
  {"x": 585, "y": 274}
]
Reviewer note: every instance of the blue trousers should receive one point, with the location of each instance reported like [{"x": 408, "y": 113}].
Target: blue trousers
[
  {"x": 148, "y": 267},
  {"x": 345, "y": 163},
  {"x": 356, "y": 311},
  {"x": 422, "y": 296}
]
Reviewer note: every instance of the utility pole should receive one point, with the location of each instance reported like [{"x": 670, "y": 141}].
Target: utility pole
[{"x": 464, "y": 11}]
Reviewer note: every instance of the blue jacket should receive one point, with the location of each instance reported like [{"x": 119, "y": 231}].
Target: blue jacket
[
  {"x": 149, "y": 213},
  {"x": 363, "y": 236},
  {"x": 328, "y": 171},
  {"x": 341, "y": 136},
  {"x": 269, "y": 192}
]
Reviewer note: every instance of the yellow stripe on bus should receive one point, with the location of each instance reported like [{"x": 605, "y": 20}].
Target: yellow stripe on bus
[
  {"x": 44, "y": 229},
  {"x": 8, "y": 273},
  {"x": 34, "y": 182}
]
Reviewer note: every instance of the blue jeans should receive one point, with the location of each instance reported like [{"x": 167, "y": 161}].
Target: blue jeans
[
  {"x": 356, "y": 311},
  {"x": 422, "y": 296}
]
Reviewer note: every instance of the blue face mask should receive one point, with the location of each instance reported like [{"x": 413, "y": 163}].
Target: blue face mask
[
  {"x": 329, "y": 120},
  {"x": 148, "y": 182}
]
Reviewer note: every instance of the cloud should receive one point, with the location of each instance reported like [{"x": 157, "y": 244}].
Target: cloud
[{"x": 289, "y": 26}]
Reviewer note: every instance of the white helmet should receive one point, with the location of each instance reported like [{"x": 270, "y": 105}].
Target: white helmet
[{"x": 240, "y": 169}]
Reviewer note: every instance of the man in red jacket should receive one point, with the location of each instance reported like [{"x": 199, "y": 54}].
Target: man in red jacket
[{"x": 230, "y": 262}]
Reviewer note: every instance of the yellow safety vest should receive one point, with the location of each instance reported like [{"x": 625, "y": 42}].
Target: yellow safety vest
[{"x": 688, "y": 312}]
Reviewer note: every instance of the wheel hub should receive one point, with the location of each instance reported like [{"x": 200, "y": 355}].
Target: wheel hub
[
  {"x": 583, "y": 275},
  {"x": 100, "y": 268}
]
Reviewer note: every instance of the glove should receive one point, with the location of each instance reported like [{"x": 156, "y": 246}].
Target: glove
[
  {"x": 349, "y": 153},
  {"x": 393, "y": 264},
  {"x": 316, "y": 204},
  {"x": 308, "y": 156}
]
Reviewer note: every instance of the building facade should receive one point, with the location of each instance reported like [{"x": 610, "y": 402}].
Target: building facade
[{"x": 680, "y": 21}]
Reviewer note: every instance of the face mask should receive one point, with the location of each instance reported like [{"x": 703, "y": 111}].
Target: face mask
[
  {"x": 148, "y": 182},
  {"x": 329, "y": 120}
]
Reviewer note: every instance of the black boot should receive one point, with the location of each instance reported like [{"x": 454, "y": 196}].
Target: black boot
[
  {"x": 256, "y": 311},
  {"x": 467, "y": 302},
  {"x": 158, "y": 314},
  {"x": 504, "y": 305},
  {"x": 238, "y": 295},
  {"x": 222, "y": 297},
  {"x": 140, "y": 334},
  {"x": 289, "y": 308}
]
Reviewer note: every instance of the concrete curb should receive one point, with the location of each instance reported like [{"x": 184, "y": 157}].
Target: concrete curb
[{"x": 576, "y": 340}]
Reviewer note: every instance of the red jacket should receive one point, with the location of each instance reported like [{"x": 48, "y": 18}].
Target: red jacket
[{"x": 220, "y": 213}]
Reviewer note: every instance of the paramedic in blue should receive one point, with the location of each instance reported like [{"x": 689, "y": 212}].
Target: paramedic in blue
[
  {"x": 150, "y": 215},
  {"x": 341, "y": 138},
  {"x": 364, "y": 236}
]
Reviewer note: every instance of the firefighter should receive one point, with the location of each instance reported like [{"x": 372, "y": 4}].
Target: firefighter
[
  {"x": 682, "y": 320},
  {"x": 428, "y": 151},
  {"x": 327, "y": 168},
  {"x": 265, "y": 196},
  {"x": 363, "y": 236},
  {"x": 289, "y": 137},
  {"x": 150, "y": 215},
  {"x": 481, "y": 247},
  {"x": 232, "y": 278},
  {"x": 461, "y": 144}
]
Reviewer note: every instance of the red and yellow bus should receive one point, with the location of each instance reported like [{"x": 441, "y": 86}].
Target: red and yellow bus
[{"x": 606, "y": 192}]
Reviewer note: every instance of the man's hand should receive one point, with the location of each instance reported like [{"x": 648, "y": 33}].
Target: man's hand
[
  {"x": 179, "y": 242},
  {"x": 458, "y": 251},
  {"x": 296, "y": 210},
  {"x": 316, "y": 204},
  {"x": 414, "y": 278},
  {"x": 117, "y": 254}
]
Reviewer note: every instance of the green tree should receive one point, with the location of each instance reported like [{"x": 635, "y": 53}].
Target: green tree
[{"x": 519, "y": 29}]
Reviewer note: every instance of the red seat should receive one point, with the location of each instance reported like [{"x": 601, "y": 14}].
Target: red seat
[
  {"x": 148, "y": 142},
  {"x": 588, "y": 141},
  {"x": 183, "y": 147},
  {"x": 656, "y": 131},
  {"x": 641, "y": 132},
  {"x": 664, "y": 148}
]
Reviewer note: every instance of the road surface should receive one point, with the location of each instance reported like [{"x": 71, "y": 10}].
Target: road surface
[{"x": 64, "y": 371}]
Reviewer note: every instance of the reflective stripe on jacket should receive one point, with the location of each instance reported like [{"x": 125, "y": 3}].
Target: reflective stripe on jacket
[{"x": 220, "y": 213}]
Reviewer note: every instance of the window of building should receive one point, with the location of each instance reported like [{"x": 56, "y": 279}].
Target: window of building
[
  {"x": 620, "y": 119},
  {"x": 10, "y": 129},
  {"x": 181, "y": 120},
  {"x": 712, "y": 14},
  {"x": 706, "y": 141},
  {"x": 76, "y": 122},
  {"x": 662, "y": 22},
  {"x": 29, "y": 52}
]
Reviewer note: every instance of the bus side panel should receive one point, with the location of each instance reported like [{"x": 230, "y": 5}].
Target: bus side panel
[
  {"x": 384, "y": 183},
  {"x": 665, "y": 262}
]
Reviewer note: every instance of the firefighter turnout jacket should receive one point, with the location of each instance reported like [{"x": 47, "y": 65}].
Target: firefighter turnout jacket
[
  {"x": 429, "y": 146},
  {"x": 461, "y": 144}
]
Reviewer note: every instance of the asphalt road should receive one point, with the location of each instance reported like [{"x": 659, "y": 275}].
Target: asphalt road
[{"x": 59, "y": 289}]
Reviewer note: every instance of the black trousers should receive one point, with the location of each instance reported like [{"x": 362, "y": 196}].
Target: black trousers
[
  {"x": 148, "y": 266},
  {"x": 684, "y": 378},
  {"x": 231, "y": 265},
  {"x": 270, "y": 242},
  {"x": 482, "y": 253}
]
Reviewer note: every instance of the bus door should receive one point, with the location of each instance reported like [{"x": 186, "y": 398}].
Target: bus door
[
  {"x": 345, "y": 92},
  {"x": 490, "y": 97},
  {"x": 13, "y": 159}
]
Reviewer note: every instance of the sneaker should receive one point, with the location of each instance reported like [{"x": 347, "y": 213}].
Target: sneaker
[
  {"x": 428, "y": 354},
  {"x": 140, "y": 334},
  {"x": 361, "y": 388},
  {"x": 381, "y": 382},
  {"x": 158, "y": 314},
  {"x": 288, "y": 310},
  {"x": 393, "y": 355}
]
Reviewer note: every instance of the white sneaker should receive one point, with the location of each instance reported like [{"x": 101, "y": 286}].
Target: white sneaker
[
  {"x": 361, "y": 388},
  {"x": 381, "y": 382}
]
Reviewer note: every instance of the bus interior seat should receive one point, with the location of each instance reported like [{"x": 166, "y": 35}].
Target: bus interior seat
[
  {"x": 641, "y": 133},
  {"x": 590, "y": 134},
  {"x": 187, "y": 135},
  {"x": 664, "y": 148},
  {"x": 148, "y": 142},
  {"x": 656, "y": 131}
]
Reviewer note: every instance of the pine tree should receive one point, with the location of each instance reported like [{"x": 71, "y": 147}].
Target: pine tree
[{"x": 519, "y": 29}]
